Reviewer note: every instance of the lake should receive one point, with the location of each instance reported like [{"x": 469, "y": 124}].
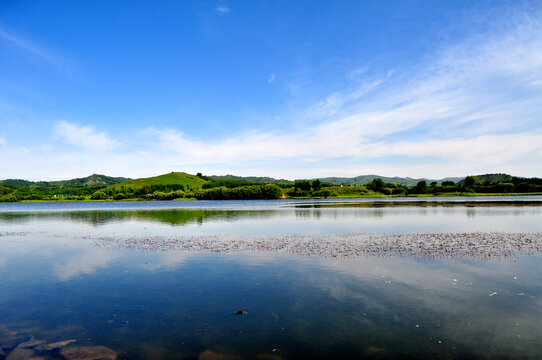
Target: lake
[{"x": 393, "y": 278}]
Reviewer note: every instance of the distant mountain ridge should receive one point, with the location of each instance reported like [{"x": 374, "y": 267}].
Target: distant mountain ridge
[
  {"x": 364, "y": 179},
  {"x": 251, "y": 179},
  {"x": 91, "y": 180},
  {"x": 193, "y": 181}
]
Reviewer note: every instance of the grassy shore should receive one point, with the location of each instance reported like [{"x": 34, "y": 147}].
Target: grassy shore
[{"x": 370, "y": 194}]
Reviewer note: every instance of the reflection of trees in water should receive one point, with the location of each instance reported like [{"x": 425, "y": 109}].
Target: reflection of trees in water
[
  {"x": 168, "y": 216},
  {"x": 337, "y": 213}
]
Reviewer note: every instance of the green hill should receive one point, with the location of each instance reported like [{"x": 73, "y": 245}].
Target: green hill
[
  {"x": 173, "y": 178},
  {"x": 17, "y": 182},
  {"x": 251, "y": 179},
  {"x": 490, "y": 178},
  {"x": 92, "y": 180},
  {"x": 364, "y": 179}
]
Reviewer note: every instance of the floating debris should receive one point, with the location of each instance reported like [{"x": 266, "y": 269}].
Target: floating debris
[
  {"x": 241, "y": 312},
  {"x": 477, "y": 245},
  {"x": 493, "y": 293},
  {"x": 13, "y": 233}
]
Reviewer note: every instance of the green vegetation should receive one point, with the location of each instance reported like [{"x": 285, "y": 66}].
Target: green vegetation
[
  {"x": 253, "y": 180},
  {"x": 178, "y": 185},
  {"x": 11, "y": 193},
  {"x": 266, "y": 191}
]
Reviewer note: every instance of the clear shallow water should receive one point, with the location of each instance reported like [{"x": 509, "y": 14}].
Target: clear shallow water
[{"x": 58, "y": 284}]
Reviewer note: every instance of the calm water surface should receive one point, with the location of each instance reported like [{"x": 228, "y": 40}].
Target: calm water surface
[{"x": 58, "y": 282}]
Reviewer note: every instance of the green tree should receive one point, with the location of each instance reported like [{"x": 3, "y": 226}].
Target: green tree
[
  {"x": 421, "y": 187},
  {"x": 376, "y": 185},
  {"x": 322, "y": 193},
  {"x": 316, "y": 185},
  {"x": 99, "y": 195},
  {"x": 302, "y": 185},
  {"x": 470, "y": 181}
]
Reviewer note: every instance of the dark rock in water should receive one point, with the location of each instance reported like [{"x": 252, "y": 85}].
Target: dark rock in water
[
  {"x": 54, "y": 346},
  {"x": 89, "y": 353},
  {"x": 2, "y": 353},
  {"x": 10, "y": 339},
  {"x": 241, "y": 312},
  {"x": 21, "y": 354}
]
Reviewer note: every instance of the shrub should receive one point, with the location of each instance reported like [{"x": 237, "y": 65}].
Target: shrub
[
  {"x": 8, "y": 198},
  {"x": 322, "y": 193},
  {"x": 99, "y": 195}
]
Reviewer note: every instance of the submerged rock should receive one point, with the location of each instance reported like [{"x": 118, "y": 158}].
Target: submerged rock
[
  {"x": 10, "y": 339},
  {"x": 268, "y": 357},
  {"x": 30, "y": 343},
  {"x": 375, "y": 351},
  {"x": 89, "y": 353},
  {"x": 21, "y": 354},
  {"x": 55, "y": 345},
  {"x": 210, "y": 355}
]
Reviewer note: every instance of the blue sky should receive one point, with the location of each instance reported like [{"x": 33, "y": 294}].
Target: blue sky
[{"x": 272, "y": 88}]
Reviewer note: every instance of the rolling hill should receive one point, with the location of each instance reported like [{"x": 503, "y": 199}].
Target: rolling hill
[
  {"x": 490, "y": 178},
  {"x": 358, "y": 180},
  {"x": 364, "y": 179},
  {"x": 91, "y": 180},
  {"x": 251, "y": 179},
  {"x": 173, "y": 178}
]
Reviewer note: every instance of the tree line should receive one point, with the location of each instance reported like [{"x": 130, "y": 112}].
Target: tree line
[{"x": 228, "y": 189}]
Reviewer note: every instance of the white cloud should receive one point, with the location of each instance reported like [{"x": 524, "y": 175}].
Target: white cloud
[
  {"x": 222, "y": 8},
  {"x": 84, "y": 263},
  {"x": 474, "y": 108},
  {"x": 84, "y": 137},
  {"x": 3, "y": 142},
  {"x": 271, "y": 79}
]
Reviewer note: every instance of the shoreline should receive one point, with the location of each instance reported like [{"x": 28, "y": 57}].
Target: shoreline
[{"x": 340, "y": 197}]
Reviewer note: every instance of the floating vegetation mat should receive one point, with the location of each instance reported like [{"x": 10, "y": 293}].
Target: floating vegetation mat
[{"x": 477, "y": 245}]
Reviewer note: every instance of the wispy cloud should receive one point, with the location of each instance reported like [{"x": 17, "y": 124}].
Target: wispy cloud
[
  {"x": 28, "y": 46},
  {"x": 222, "y": 8},
  {"x": 3, "y": 142},
  {"x": 271, "y": 79},
  {"x": 84, "y": 137},
  {"x": 474, "y": 100},
  {"x": 474, "y": 107}
]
